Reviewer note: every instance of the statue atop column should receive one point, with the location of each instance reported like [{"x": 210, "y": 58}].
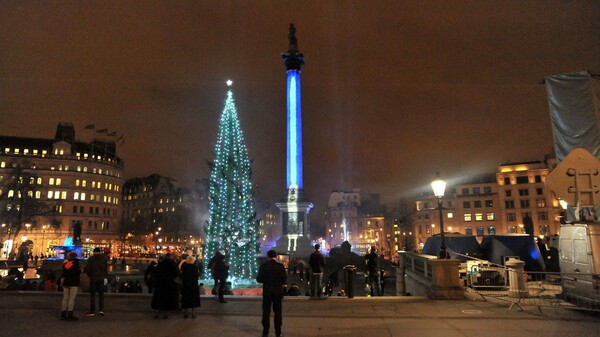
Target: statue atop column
[
  {"x": 292, "y": 38},
  {"x": 293, "y": 59}
]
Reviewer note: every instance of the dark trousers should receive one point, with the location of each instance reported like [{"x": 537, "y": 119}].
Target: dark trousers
[
  {"x": 375, "y": 284},
  {"x": 316, "y": 286},
  {"x": 275, "y": 301},
  {"x": 96, "y": 286},
  {"x": 221, "y": 290}
]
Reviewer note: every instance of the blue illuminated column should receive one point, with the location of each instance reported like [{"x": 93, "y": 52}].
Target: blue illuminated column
[
  {"x": 295, "y": 238},
  {"x": 294, "y": 127}
]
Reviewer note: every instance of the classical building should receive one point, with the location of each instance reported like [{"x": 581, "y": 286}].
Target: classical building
[
  {"x": 76, "y": 187},
  {"x": 158, "y": 216},
  {"x": 359, "y": 219},
  {"x": 513, "y": 200}
]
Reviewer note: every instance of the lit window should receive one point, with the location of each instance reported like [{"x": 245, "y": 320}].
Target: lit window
[
  {"x": 85, "y": 169},
  {"x": 83, "y": 196},
  {"x": 11, "y": 193},
  {"x": 450, "y": 215},
  {"x": 51, "y": 181},
  {"x": 58, "y": 181},
  {"x": 17, "y": 151},
  {"x": 50, "y": 193},
  {"x": 489, "y": 216},
  {"x": 78, "y": 168},
  {"x": 77, "y": 182},
  {"x": 38, "y": 194},
  {"x": 7, "y": 149},
  {"x": 39, "y": 181},
  {"x": 83, "y": 183},
  {"x": 35, "y": 152},
  {"x": 26, "y": 151},
  {"x": 63, "y": 195},
  {"x": 467, "y": 217},
  {"x": 478, "y": 216},
  {"x": 44, "y": 153},
  {"x": 3, "y": 164},
  {"x": 76, "y": 196},
  {"x": 93, "y": 184}
]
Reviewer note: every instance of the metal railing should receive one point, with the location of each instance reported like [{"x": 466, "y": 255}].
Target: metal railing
[{"x": 488, "y": 281}]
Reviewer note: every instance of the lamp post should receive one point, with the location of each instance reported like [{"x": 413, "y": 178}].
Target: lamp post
[
  {"x": 42, "y": 250},
  {"x": 439, "y": 186}
]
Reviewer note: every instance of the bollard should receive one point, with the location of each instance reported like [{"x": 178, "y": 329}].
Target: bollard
[
  {"x": 349, "y": 272},
  {"x": 515, "y": 278}
]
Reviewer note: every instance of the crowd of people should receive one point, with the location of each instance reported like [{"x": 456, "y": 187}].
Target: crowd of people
[{"x": 173, "y": 283}]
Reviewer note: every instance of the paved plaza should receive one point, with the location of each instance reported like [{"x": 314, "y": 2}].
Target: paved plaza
[{"x": 37, "y": 314}]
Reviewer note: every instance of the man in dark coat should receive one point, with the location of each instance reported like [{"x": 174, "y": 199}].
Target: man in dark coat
[
  {"x": 221, "y": 273},
  {"x": 317, "y": 266},
  {"x": 273, "y": 276},
  {"x": 372, "y": 260},
  {"x": 166, "y": 293},
  {"x": 97, "y": 269}
]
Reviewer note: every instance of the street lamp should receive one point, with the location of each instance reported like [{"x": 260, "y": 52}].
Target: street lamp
[{"x": 439, "y": 186}]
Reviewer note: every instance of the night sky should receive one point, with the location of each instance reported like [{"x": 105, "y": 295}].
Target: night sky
[{"x": 392, "y": 91}]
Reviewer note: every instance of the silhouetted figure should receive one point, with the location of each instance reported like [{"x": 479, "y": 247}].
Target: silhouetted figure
[
  {"x": 190, "y": 294},
  {"x": 317, "y": 266},
  {"x": 273, "y": 277},
  {"x": 374, "y": 277},
  {"x": 97, "y": 270},
  {"x": 165, "y": 296}
]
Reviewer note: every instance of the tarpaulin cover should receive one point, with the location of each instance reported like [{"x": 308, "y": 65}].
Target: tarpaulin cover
[
  {"x": 455, "y": 243},
  {"x": 574, "y": 100},
  {"x": 497, "y": 247}
]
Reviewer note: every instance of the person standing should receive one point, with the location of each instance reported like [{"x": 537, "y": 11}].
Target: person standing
[
  {"x": 97, "y": 269},
  {"x": 374, "y": 278},
  {"x": 317, "y": 266},
  {"x": 165, "y": 296},
  {"x": 273, "y": 277},
  {"x": 211, "y": 266},
  {"x": 221, "y": 274},
  {"x": 190, "y": 294},
  {"x": 70, "y": 279}
]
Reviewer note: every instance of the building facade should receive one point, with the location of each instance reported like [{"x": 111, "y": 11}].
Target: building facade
[
  {"x": 360, "y": 220},
  {"x": 159, "y": 217},
  {"x": 76, "y": 187},
  {"x": 513, "y": 200}
]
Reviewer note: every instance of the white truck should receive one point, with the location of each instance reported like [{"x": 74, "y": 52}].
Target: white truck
[{"x": 579, "y": 251}]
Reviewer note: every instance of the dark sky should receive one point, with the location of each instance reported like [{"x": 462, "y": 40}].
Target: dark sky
[{"x": 393, "y": 91}]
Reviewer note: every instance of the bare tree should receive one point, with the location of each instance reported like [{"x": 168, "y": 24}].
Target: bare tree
[{"x": 21, "y": 201}]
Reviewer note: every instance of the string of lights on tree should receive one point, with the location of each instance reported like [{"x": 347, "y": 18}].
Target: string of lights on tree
[{"x": 232, "y": 226}]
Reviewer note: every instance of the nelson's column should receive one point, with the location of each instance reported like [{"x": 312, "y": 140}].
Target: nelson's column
[{"x": 295, "y": 238}]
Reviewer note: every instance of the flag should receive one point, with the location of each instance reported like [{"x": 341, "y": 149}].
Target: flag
[
  {"x": 90, "y": 126},
  {"x": 102, "y": 131},
  {"x": 112, "y": 134}
]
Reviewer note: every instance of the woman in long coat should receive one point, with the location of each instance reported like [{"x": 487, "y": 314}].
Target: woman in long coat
[
  {"x": 166, "y": 293},
  {"x": 190, "y": 295}
]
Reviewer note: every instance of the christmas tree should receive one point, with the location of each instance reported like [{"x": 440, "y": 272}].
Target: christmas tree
[{"x": 232, "y": 227}]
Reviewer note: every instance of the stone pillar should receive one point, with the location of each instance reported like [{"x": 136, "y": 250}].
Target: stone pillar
[
  {"x": 446, "y": 279},
  {"x": 515, "y": 278},
  {"x": 400, "y": 283}
]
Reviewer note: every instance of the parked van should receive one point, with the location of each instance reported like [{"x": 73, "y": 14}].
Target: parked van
[{"x": 579, "y": 248}]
